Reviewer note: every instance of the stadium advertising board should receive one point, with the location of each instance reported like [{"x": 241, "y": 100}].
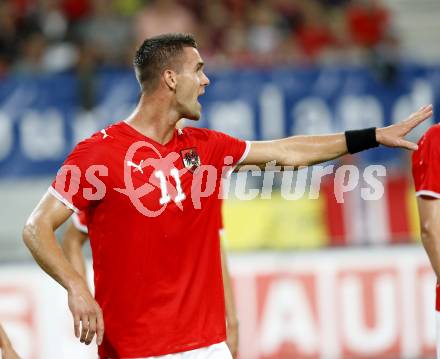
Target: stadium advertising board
[
  {"x": 364, "y": 303},
  {"x": 41, "y": 117}
]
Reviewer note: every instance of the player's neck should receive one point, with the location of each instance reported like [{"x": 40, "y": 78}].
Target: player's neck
[{"x": 154, "y": 118}]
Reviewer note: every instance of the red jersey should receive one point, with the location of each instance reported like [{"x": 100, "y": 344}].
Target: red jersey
[
  {"x": 426, "y": 172},
  {"x": 152, "y": 214},
  {"x": 80, "y": 221}
]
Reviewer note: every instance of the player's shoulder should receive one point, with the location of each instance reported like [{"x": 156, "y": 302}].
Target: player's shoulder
[
  {"x": 432, "y": 135},
  {"x": 195, "y": 132},
  {"x": 429, "y": 144},
  {"x": 97, "y": 146},
  {"x": 202, "y": 133},
  {"x": 100, "y": 138}
]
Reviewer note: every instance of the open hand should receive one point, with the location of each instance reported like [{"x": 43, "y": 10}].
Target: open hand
[
  {"x": 393, "y": 136},
  {"x": 87, "y": 315}
]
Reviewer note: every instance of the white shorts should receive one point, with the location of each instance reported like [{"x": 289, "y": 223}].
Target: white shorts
[{"x": 214, "y": 351}]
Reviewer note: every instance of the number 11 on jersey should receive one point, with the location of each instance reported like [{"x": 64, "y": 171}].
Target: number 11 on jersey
[{"x": 165, "y": 198}]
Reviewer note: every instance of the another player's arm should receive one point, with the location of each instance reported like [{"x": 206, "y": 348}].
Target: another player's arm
[
  {"x": 231, "y": 313},
  {"x": 6, "y": 347},
  {"x": 39, "y": 237},
  {"x": 299, "y": 151},
  {"x": 73, "y": 241},
  {"x": 429, "y": 212}
]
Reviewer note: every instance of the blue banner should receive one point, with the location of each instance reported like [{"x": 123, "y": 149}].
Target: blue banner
[{"x": 41, "y": 118}]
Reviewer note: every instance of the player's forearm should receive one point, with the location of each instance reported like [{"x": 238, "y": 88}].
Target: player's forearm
[
  {"x": 309, "y": 150},
  {"x": 73, "y": 252},
  {"x": 40, "y": 238},
  {"x": 298, "y": 151},
  {"x": 72, "y": 247}
]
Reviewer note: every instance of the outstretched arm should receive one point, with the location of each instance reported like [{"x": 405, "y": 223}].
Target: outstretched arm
[
  {"x": 6, "y": 347},
  {"x": 39, "y": 236},
  {"x": 299, "y": 151},
  {"x": 429, "y": 212},
  {"x": 73, "y": 241},
  {"x": 231, "y": 314}
]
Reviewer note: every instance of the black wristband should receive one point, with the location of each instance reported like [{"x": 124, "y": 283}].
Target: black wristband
[{"x": 359, "y": 140}]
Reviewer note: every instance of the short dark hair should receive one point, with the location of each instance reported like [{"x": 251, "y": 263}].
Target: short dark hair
[{"x": 156, "y": 54}]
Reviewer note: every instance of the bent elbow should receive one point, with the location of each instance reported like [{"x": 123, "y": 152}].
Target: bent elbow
[{"x": 29, "y": 233}]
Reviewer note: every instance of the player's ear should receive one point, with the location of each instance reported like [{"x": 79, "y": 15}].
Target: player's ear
[{"x": 170, "y": 79}]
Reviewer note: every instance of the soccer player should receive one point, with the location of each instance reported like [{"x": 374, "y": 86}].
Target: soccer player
[
  {"x": 150, "y": 192},
  {"x": 426, "y": 174},
  {"x": 76, "y": 235},
  {"x": 7, "y": 350}
]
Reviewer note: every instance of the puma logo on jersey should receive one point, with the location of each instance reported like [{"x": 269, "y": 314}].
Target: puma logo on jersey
[
  {"x": 104, "y": 134},
  {"x": 137, "y": 167}
]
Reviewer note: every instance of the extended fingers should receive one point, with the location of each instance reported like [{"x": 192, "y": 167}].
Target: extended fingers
[
  {"x": 408, "y": 145},
  {"x": 421, "y": 115},
  {"x": 393, "y": 136}
]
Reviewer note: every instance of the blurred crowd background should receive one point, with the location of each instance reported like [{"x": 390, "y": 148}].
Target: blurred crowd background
[{"x": 56, "y": 35}]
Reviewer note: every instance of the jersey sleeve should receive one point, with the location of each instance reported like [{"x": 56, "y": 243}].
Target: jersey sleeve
[
  {"x": 81, "y": 180},
  {"x": 228, "y": 150},
  {"x": 79, "y": 220},
  {"x": 426, "y": 165}
]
